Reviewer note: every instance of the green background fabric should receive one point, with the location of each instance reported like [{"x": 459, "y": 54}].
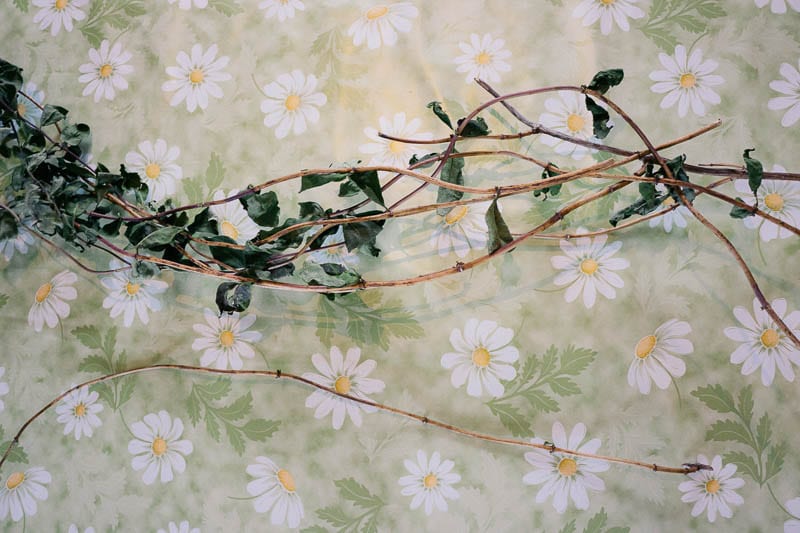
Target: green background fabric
[{"x": 348, "y": 478}]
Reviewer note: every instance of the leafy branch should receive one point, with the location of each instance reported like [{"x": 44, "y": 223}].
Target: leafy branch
[{"x": 366, "y": 505}]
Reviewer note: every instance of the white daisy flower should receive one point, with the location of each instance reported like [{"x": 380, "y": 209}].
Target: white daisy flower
[
  {"x": 763, "y": 344},
  {"x": 780, "y": 199},
  {"x": 566, "y": 476},
  {"x": 292, "y": 103},
  {"x": 20, "y": 491},
  {"x": 654, "y": 359},
  {"x": 196, "y": 77},
  {"x": 589, "y": 268},
  {"x": 779, "y": 6},
  {"x": 3, "y": 388},
  {"x": 793, "y": 525},
  {"x": 687, "y": 81},
  {"x": 283, "y": 9},
  {"x": 56, "y": 13},
  {"x": 49, "y": 301},
  {"x": 105, "y": 71},
  {"x": 232, "y": 219},
  {"x": 483, "y": 356},
  {"x": 380, "y": 24},
  {"x": 568, "y": 114},
  {"x": 429, "y": 482},
  {"x": 675, "y": 217},
  {"x": 74, "y": 529},
  {"x": 608, "y": 11},
  {"x": 712, "y": 489},
  {"x": 225, "y": 339},
  {"x": 187, "y": 4},
  {"x": 27, "y": 109},
  {"x": 18, "y": 243},
  {"x": 157, "y": 448},
  {"x": 394, "y": 153},
  {"x": 330, "y": 253},
  {"x": 183, "y": 527},
  {"x": 78, "y": 411},
  {"x": 275, "y": 489},
  {"x": 483, "y": 58},
  {"x": 790, "y": 89},
  {"x": 463, "y": 228},
  {"x": 130, "y": 294},
  {"x": 156, "y": 162},
  {"x": 345, "y": 376}
]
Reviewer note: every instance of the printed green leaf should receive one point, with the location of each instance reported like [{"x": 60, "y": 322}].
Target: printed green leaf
[
  {"x": 17, "y": 453},
  {"x": 110, "y": 341},
  {"x": 240, "y": 408},
  {"x": 215, "y": 171},
  {"x": 740, "y": 212},
  {"x": 235, "y": 437},
  {"x": 212, "y": 425},
  {"x": 715, "y": 397},
  {"x": 314, "y": 529},
  {"x": 3, "y": 299},
  {"x": 744, "y": 464},
  {"x": 569, "y": 527},
  {"x": 763, "y": 432},
  {"x": 499, "y": 234},
  {"x": 605, "y": 79},
  {"x": 263, "y": 208},
  {"x": 349, "y": 315},
  {"x": 335, "y": 516},
  {"x": 755, "y": 170},
  {"x": 95, "y": 363},
  {"x": 52, "y": 114},
  {"x": 597, "y": 522},
  {"x": 22, "y": 5},
  {"x": 357, "y": 493},
  {"x": 369, "y": 184},
  {"x": 775, "y": 457},
  {"x": 135, "y": 8},
  {"x": 436, "y": 107},
  {"x": 564, "y": 386},
  {"x": 260, "y": 429},
  {"x": 226, "y": 7},
  {"x": 126, "y": 388},
  {"x": 511, "y": 417},
  {"x": 89, "y": 336},
  {"x": 575, "y": 360},
  {"x": 746, "y": 404},
  {"x": 541, "y": 401},
  {"x": 730, "y": 430},
  {"x": 452, "y": 172}
]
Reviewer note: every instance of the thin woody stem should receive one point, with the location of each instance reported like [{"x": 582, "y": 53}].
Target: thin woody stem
[{"x": 686, "y": 468}]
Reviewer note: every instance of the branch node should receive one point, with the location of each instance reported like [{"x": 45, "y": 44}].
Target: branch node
[
  {"x": 425, "y": 420},
  {"x": 460, "y": 266},
  {"x": 655, "y": 467},
  {"x": 278, "y": 373},
  {"x": 497, "y": 190},
  {"x": 550, "y": 446}
]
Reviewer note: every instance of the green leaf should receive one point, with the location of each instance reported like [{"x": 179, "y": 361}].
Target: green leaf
[
  {"x": 144, "y": 269},
  {"x": 3, "y": 299},
  {"x": 746, "y": 404},
  {"x": 110, "y": 341},
  {"x": 232, "y": 296},
  {"x": 499, "y": 234},
  {"x": 215, "y": 390},
  {"x": 641, "y": 206},
  {"x": 775, "y": 457},
  {"x": 106, "y": 393},
  {"x": 715, "y": 397},
  {"x": 89, "y": 336},
  {"x": 237, "y": 410},
  {"x": 235, "y": 437},
  {"x": 598, "y": 521},
  {"x": 215, "y": 172},
  {"x": 475, "y": 128},
  {"x": 193, "y": 407},
  {"x": 763, "y": 432},
  {"x": 553, "y": 190},
  {"x": 314, "y": 529},
  {"x": 263, "y": 208},
  {"x": 135, "y": 8},
  {"x": 17, "y": 453},
  {"x": 605, "y": 79},
  {"x": 52, "y": 114},
  {"x": 563, "y": 386},
  {"x": 95, "y": 363},
  {"x": 22, "y": 5},
  {"x": 126, "y": 388},
  {"x": 357, "y": 493},
  {"x": 310, "y": 181},
  {"x": 8, "y": 226},
  {"x": 160, "y": 237},
  {"x": 730, "y": 430},
  {"x": 744, "y": 464},
  {"x": 575, "y": 360},
  {"x": 755, "y": 170},
  {"x": 233, "y": 257},
  {"x": 452, "y": 172},
  {"x": 10, "y": 83},
  {"x": 212, "y": 426},
  {"x": 541, "y": 401},
  {"x": 260, "y": 429},
  {"x": 369, "y": 184},
  {"x": 335, "y": 516},
  {"x": 363, "y": 235},
  {"x": 569, "y": 527},
  {"x": 415, "y": 160},
  {"x": 600, "y": 118},
  {"x": 740, "y": 212},
  {"x": 226, "y": 7},
  {"x": 328, "y": 275},
  {"x": 436, "y": 107},
  {"x": 511, "y": 417},
  {"x": 347, "y": 189}
]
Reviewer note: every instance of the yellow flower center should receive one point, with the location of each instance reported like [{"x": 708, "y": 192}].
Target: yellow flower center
[
  {"x": 61, "y": 4},
  {"x": 14, "y": 480},
  {"x": 567, "y": 467},
  {"x": 79, "y": 410},
  {"x": 455, "y": 214},
  {"x": 42, "y": 292},
  {"x": 342, "y": 385},
  {"x": 196, "y": 76},
  {"x": 152, "y": 170},
  {"x": 669, "y": 200},
  {"x": 712, "y": 486},
  {"x": 483, "y": 58},
  {"x": 377, "y": 12},
  {"x": 21, "y": 110},
  {"x": 607, "y": 2},
  {"x": 159, "y": 447},
  {"x": 132, "y": 288},
  {"x": 575, "y": 123},
  {"x": 396, "y": 147},
  {"x": 292, "y": 102},
  {"x": 688, "y": 80},
  {"x": 286, "y": 480},
  {"x": 226, "y": 338},
  {"x": 430, "y": 481},
  {"x": 106, "y": 70},
  {"x": 229, "y": 230},
  {"x": 589, "y": 266},
  {"x": 481, "y": 357},
  {"x": 774, "y": 201},
  {"x": 645, "y": 346},
  {"x": 770, "y": 338}
]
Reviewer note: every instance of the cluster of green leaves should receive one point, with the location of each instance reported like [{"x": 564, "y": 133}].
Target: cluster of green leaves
[
  {"x": 362, "y": 516},
  {"x": 17, "y": 453},
  {"x": 536, "y": 374},
  {"x": 596, "y": 524},
  {"x": 105, "y": 361},
  {"x": 203, "y": 403},
  {"x": 764, "y": 458},
  {"x": 667, "y": 16},
  {"x": 117, "y": 14}
]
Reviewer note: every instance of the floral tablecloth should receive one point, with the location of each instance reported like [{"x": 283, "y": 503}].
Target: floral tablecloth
[{"x": 643, "y": 343}]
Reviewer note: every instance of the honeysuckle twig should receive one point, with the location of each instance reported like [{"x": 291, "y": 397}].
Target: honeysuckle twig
[{"x": 686, "y": 468}]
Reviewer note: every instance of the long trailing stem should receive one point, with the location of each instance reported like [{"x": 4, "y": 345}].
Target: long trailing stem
[{"x": 686, "y": 468}]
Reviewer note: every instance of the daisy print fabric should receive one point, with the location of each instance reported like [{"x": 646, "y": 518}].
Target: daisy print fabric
[
  {"x": 380, "y": 24},
  {"x": 275, "y": 492},
  {"x": 687, "y": 80},
  {"x": 196, "y": 77},
  {"x": 225, "y": 339},
  {"x": 50, "y": 301},
  {"x": 292, "y": 103}
]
